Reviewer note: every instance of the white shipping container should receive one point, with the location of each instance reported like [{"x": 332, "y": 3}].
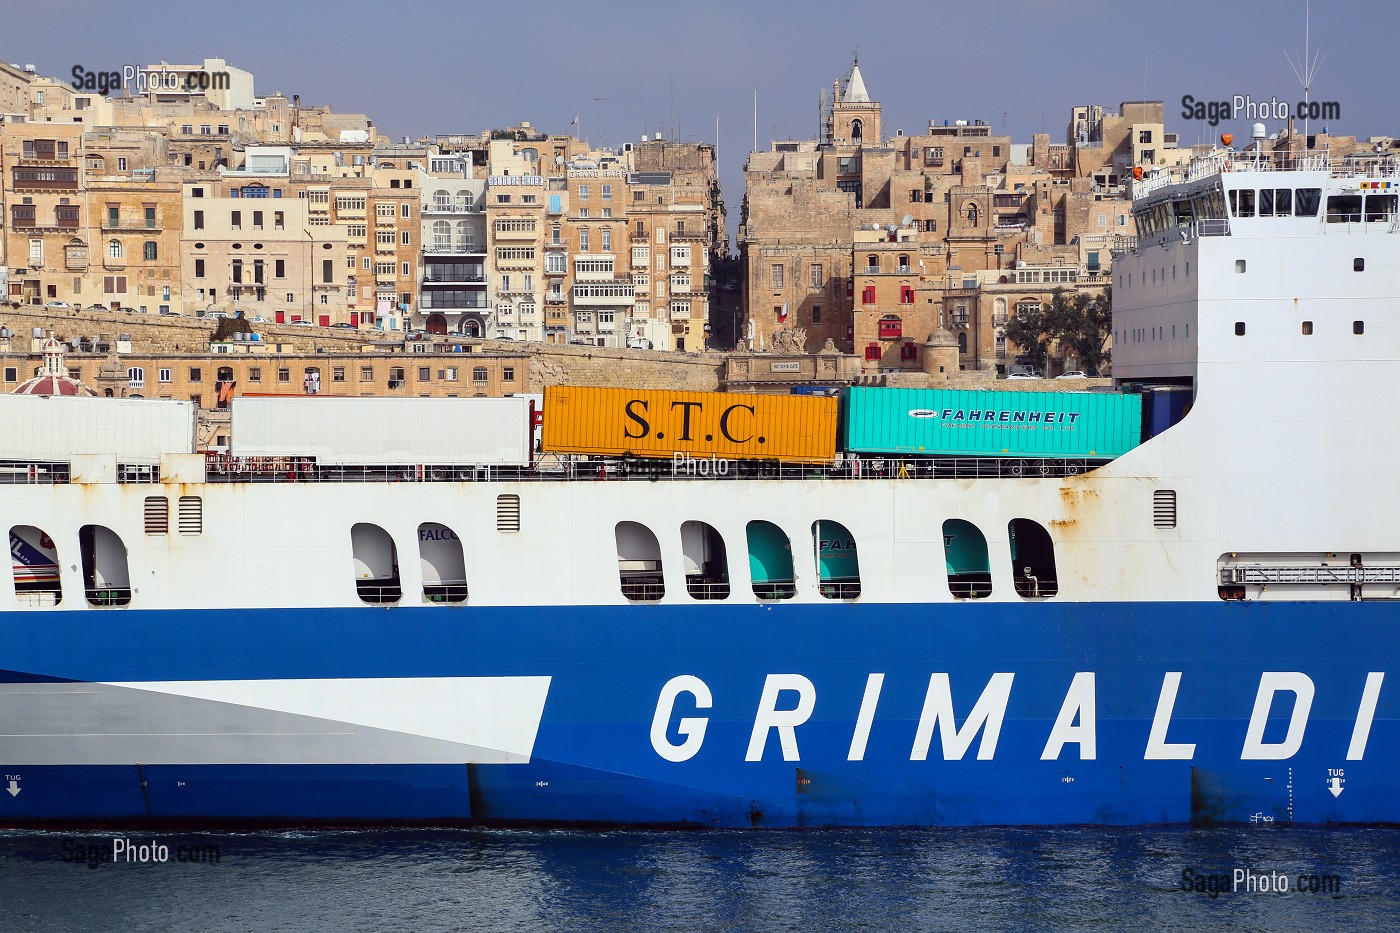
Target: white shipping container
[
  {"x": 384, "y": 431},
  {"x": 53, "y": 428}
]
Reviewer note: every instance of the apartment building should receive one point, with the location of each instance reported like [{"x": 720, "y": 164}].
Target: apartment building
[
  {"x": 453, "y": 297},
  {"x": 257, "y": 252}
]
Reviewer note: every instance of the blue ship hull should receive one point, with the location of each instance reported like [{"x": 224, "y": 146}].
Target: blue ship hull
[{"x": 597, "y": 757}]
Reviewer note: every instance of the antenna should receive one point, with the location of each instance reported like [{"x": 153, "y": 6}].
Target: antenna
[
  {"x": 1307, "y": 65},
  {"x": 600, "y": 101}
]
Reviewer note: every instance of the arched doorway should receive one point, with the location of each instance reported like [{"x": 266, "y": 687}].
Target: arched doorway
[
  {"x": 436, "y": 324},
  {"x": 470, "y": 327}
]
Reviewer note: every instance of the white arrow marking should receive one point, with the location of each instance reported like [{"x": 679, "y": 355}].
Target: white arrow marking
[
  {"x": 14, "y": 788},
  {"x": 1335, "y": 786}
]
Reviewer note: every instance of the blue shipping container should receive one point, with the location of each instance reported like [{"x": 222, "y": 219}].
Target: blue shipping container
[{"x": 977, "y": 423}]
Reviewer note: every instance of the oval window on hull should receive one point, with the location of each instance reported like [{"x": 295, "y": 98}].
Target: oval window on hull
[
  {"x": 770, "y": 561},
  {"x": 639, "y": 563},
  {"x": 376, "y": 563},
  {"x": 106, "y": 581},
  {"x": 444, "y": 568},
  {"x": 34, "y": 567},
  {"x": 969, "y": 568},
  {"x": 838, "y": 565},
  {"x": 1032, "y": 559},
  {"x": 706, "y": 563}
]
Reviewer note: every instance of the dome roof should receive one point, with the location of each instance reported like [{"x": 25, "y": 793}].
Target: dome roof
[
  {"x": 942, "y": 337},
  {"x": 53, "y": 378}
]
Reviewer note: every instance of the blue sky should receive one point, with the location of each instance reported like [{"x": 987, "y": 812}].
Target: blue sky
[{"x": 424, "y": 67}]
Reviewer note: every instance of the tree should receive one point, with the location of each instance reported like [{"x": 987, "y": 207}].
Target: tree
[{"x": 1081, "y": 323}]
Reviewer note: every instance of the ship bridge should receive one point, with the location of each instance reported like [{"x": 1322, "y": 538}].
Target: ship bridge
[{"x": 1238, "y": 230}]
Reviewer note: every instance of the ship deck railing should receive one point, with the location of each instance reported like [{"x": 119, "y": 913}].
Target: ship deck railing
[
  {"x": 1216, "y": 163},
  {"x": 598, "y": 469},
  {"x": 571, "y": 468}
]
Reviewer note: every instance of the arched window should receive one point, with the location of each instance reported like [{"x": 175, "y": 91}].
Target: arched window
[
  {"x": 706, "y": 564},
  {"x": 770, "y": 561},
  {"x": 1027, "y": 306},
  {"x": 639, "y": 562},
  {"x": 114, "y": 249},
  {"x": 857, "y": 128},
  {"x": 106, "y": 580},
  {"x": 962, "y": 341},
  {"x": 442, "y": 201},
  {"x": 838, "y": 567},
  {"x": 465, "y": 240},
  {"x": 903, "y": 264},
  {"x": 376, "y": 564},
  {"x": 464, "y": 200},
  {"x": 442, "y": 234},
  {"x": 872, "y": 263},
  {"x": 965, "y": 552},
  {"x": 444, "y": 568},
  {"x": 1032, "y": 559},
  {"x": 971, "y": 215},
  {"x": 34, "y": 565}
]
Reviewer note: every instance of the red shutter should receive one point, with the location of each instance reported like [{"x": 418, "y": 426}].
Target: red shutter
[
  {"x": 867, "y": 296},
  {"x": 872, "y": 351}
]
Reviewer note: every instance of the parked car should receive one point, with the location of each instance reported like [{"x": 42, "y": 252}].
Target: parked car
[
  {"x": 256, "y": 319},
  {"x": 96, "y": 307},
  {"x": 303, "y": 323},
  {"x": 1073, "y": 374},
  {"x": 57, "y": 304},
  {"x": 1022, "y": 376},
  {"x": 343, "y": 326},
  {"x": 127, "y": 310},
  {"x": 168, "y": 313}
]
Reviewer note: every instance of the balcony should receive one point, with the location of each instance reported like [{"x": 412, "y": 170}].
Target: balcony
[
  {"x": 440, "y": 279},
  {"x": 439, "y": 208},
  {"x": 129, "y": 226},
  {"x": 515, "y": 230},
  {"x": 608, "y": 295},
  {"x": 460, "y": 248}
]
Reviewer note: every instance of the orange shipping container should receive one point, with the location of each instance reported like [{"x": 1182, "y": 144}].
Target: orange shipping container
[{"x": 655, "y": 423}]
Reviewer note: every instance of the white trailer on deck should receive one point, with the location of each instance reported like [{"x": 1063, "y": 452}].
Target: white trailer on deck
[
  {"x": 384, "y": 431},
  {"x": 40, "y": 428}
]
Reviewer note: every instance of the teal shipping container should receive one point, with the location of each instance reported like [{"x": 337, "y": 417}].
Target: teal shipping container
[{"x": 979, "y": 423}]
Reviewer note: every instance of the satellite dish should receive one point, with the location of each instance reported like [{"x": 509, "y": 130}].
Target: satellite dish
[
  {"x": 891, "y": 228},
  {"x": 908, "y": 219},
  {"x": 558, "y": 160}
]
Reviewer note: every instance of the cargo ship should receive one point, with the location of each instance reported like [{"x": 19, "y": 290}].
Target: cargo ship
[{"x": 1174, "y": 603}]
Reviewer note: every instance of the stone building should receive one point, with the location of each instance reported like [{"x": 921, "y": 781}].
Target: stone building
[{"x": 875, "y": 240}]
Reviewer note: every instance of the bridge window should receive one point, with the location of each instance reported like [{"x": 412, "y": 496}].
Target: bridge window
[
  {"x": 34, "y": 566},
  {"x": 1344, "y": 208},
  {"x": 838, "y": 566},
  {"x": 106, "y": 581},
  {"x": 770, "y": 561},
  {"x": 639, "y": 563},
  {"x": 376, "y": 563},
  {"x": 705, "y": 560},
  {"x": 965, "y": 552},
  {"x": 444, "y": 568},
  {"x": 1032, "y": 559},
  {"x": 1306, "y": 201}
]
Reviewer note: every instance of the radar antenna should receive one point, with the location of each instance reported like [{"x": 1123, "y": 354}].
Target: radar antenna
[{"x": 1307, "y": 65}]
